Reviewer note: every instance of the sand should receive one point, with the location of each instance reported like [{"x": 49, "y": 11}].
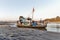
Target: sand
[{"x": 14, "y": 33}]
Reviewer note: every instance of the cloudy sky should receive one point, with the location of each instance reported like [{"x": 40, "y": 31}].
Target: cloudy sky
[{"x": 12, "y": 9}]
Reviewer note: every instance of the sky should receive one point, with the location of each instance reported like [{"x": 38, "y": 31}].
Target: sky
[{"x": 12, "y": 9}]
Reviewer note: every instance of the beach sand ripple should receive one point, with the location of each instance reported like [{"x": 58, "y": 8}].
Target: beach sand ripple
[{"x": 14, "y": 33}]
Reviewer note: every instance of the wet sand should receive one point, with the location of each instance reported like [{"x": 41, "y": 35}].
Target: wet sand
[{"x": 14, "y": 33}]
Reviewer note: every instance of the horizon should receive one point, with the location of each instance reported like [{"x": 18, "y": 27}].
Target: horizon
[{"x": 12, "y": 9}]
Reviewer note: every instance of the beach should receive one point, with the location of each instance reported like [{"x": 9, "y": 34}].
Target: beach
[{"x": 14, "y": 33}]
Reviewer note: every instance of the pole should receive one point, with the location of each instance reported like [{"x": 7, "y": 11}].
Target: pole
[
  {"x": 32, "y": 16},
  {"x": 33, "y": 13}
]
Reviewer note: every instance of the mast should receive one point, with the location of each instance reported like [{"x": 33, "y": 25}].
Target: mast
[{"x": 33, "y": 13}]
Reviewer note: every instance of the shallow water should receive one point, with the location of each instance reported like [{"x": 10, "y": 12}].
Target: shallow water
[{"x": 54, "y": 27}]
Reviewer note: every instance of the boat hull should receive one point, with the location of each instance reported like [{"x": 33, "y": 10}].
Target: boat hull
[{"x": 34, "y": 27}]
